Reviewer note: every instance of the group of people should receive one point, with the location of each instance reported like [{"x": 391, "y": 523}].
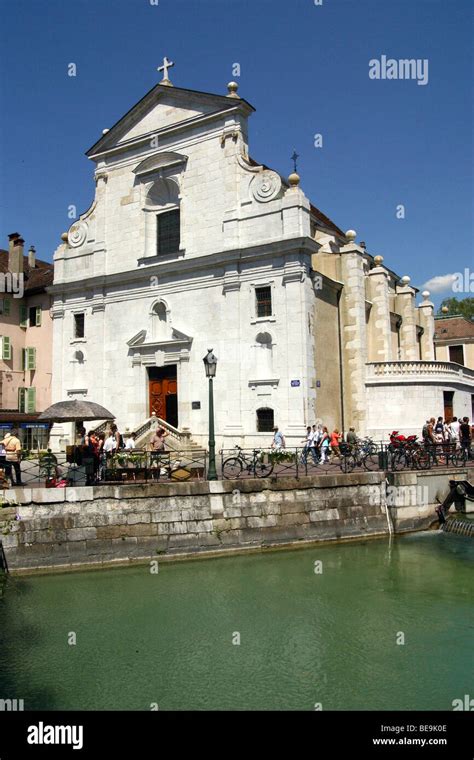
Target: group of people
[
  {"x": 457, "y": 431},
  {"x": 100, "y": 447},
  {"x": 318, "y": 442}
]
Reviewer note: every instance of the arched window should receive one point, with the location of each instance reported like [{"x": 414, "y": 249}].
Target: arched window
[
  {"x": 163, "y": 219},
  {"x": 265, "y": 420}
]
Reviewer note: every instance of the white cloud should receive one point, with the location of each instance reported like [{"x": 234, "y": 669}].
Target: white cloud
[{"x": 440, "y": 283}]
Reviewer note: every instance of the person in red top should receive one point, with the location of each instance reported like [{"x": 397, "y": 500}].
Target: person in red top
[{"x": 334, "y": 442}]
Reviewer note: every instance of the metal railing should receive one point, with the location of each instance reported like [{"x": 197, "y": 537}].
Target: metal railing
[
  {"x": 238, "y": 463},
  {"x": 78, "y": 467}
]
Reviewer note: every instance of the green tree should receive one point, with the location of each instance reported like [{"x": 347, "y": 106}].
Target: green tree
[{"x": 465, "y": 307}]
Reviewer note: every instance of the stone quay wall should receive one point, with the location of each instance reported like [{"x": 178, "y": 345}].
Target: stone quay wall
[{"x": 76, "y": 527}]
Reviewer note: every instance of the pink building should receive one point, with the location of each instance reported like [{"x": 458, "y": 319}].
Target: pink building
[{"x": 25, "y": 342}]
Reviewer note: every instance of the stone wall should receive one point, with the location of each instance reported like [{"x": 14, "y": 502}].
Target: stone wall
[{"x": 62, "y": 528}]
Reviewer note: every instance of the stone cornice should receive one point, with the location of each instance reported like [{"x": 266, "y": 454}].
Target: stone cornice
[{"x": 303, "y": 246}]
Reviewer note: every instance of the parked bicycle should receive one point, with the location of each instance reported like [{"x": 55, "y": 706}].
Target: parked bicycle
[
  {"x": 255, "y": 465},
  {"x": 361, "y": 454}
]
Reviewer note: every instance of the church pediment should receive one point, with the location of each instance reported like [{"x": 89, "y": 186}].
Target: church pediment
[
  {"x": 170, "y": 337},
  {"x": 160, "y": 108}
]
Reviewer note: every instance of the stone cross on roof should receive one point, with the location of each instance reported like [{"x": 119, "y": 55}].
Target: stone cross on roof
[{"x": 166, "y": 65}]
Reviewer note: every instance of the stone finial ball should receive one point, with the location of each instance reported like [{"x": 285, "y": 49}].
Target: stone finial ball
[
  {"x": 64, "y": 237},
  {"x": 426, "y": 294},
  {"x": 232, "y": 87},
  {"x": 406, "y": 280},
  {"x": 378, "y": 260},
  {"x": 294, "y": 179},
  {"x": 351, "y": 235},
  {"x": 444, "y": 309}
]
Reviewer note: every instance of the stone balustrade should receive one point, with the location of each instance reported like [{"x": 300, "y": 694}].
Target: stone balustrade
[{"x": 418, "y": 371}]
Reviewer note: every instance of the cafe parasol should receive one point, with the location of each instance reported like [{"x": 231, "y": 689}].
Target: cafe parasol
[{"x": 75, "y": 411}]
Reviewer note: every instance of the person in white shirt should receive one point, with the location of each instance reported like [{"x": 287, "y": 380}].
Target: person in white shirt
[
  {"x": 130, "y": 445},
  {"x": 454, "y": 430},
  {"x": 110, "y": 444}
]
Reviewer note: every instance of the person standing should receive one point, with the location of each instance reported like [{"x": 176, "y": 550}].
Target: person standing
[
  {"x": 12, "y": 445},
  {"x": 324, "y": 445},
  {"x": 278, "y": 440},
  {"x": 130, "y": 445},
  {"x": 309, "y": 446},
  {"x": 351, "y": 437},
  {"x": 454, "y": 430},
  {"x": 439, "y": 430},
  {"x": 465, "y": 436},
  {"x": 334, "y": 442}
]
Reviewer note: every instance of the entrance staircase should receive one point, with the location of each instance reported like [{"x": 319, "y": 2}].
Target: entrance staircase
[{"x": 176, "y": 440}]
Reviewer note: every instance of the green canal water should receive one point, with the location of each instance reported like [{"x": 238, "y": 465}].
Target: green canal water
[{"x": 305, "y": 637}]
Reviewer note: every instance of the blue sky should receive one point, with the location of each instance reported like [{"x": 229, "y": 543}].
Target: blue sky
[{"x": 304, "y": 67}]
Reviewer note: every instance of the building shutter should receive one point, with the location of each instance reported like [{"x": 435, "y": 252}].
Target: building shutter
[
  {"x": 38, "y": 316},
  {"x": 6, "y": 306},
  {"x": 29, "y": 358},
  {"x": 23, "y": 315},
  {"x": 30, "y": 400},
  {"x": 6, "y": 349}
]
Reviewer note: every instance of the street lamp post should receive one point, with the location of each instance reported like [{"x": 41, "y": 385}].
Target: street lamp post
[{"x": 210, "y": 364}]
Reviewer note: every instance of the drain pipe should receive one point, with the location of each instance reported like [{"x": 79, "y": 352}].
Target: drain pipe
[{"x": 387, "y": 511}]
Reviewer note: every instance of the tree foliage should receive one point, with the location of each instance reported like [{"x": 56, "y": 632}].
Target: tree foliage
[{"x": 464, "y": 307}]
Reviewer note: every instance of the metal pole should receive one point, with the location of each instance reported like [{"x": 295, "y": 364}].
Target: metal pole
[{"x": 211, "y": 473}]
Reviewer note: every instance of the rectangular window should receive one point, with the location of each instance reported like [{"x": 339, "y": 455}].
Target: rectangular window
[
  {"x": 23, "y": 315},
  {"x": 22, "y": 399},
  {"x": 168, "y": 232},
  {"x": 456, "y": 354},
  {"x": 5, "y": 306},
  {"x": 264, "y": 301},
  {"x": 29, "y": 358},
  {"x": 35, "y": 316},
  {"x": 6, "y": 349},
  {"x": 265, "y": 420},
  {"x": 79, "y": 325}
]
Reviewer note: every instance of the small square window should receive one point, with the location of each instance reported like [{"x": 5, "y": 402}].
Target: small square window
[
  {"x": 79, "y": 325},
  {"x": 264, "y": 301}
]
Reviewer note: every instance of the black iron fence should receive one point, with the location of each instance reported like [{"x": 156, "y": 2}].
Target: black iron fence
[
  {"x": 365, "y": 456},
  {"x": 78, "y": 467}
]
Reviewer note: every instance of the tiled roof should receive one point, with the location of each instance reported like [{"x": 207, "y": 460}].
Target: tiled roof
[
  {"x": 453, "y": 328},
  {"x": 37, "y": 278}
]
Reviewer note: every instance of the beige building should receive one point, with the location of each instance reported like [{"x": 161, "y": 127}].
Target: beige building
[
  {"x": 25, "y": 341},
  {"x": 454, "y": 340}
]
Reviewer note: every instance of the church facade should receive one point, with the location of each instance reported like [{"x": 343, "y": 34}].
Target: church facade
[{"x": 189, "y": 245}]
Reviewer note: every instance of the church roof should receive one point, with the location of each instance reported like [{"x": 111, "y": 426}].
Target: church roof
[
  {"x": 37, "y": 278},
  {"x": 222, "y": 103}
]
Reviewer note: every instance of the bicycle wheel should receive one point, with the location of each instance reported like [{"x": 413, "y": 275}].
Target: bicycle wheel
[
  {"x": 231, "y": 468},
  {"x": 460, "y": 459},
  {"x": 422, "y": 460},
  {"x": 397, "y": 460},
  {"x": 370, "y": 462},
  {"x": 263, "y": 470},
  {"x": 347, "y": 463}
]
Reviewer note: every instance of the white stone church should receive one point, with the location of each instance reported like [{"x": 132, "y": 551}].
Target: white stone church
[{"x": 190, "y": 244}]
